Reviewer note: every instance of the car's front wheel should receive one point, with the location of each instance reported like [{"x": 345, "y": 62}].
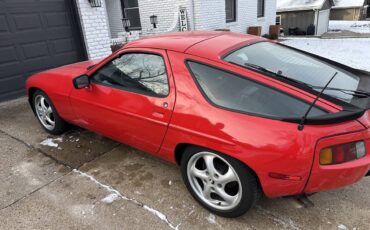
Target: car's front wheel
[
  {"x": 220, "y": 183},
  {"x": 47, "y": 114}
]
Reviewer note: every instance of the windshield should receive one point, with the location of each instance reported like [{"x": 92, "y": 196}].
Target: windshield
[{"x": 295, "y": 65}]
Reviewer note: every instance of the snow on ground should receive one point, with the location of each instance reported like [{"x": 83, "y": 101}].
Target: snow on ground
[
  {"x": 354, "y": 26},
  {"x": 116, "y": 195},
  {"x": 354, "y": 52},
  {"x": 51, "y": 142},
  {"x": 110, "y": 198}
]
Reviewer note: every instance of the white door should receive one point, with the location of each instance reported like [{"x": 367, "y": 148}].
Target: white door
[{"x": 322, "y": 21}]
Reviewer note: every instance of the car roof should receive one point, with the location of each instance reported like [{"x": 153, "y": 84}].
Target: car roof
[{"x": 209, "y": 44}]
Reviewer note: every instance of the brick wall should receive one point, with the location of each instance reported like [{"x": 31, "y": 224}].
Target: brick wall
[
  {"x": 95, "y": 29},
  {"x": 210, "y": 15},
  {"x": 202, "y": 15},
  {"x": 166, "y": 11}
]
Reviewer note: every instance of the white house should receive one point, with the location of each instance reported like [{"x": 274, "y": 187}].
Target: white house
[
  {"x": 103, "y": 24},
  {"x": 36, "y": 35}
]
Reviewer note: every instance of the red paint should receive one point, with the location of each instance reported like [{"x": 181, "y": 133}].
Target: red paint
[{"x": 269, "y": 147}]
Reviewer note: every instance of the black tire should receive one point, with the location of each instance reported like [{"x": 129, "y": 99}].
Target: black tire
[
  {"x": 251, "y": 191},
  {"x": 60, "y": 125}
]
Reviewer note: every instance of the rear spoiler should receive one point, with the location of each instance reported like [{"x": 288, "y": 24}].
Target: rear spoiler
[{"x": 330, "y": 118}]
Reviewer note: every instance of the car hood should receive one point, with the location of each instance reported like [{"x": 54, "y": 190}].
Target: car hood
[{"x": 71, "y": 70}]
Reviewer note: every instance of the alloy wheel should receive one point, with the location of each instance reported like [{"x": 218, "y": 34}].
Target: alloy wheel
[
  {"x": 214, "y": 180},
  {"x": 44, "y": 112}
]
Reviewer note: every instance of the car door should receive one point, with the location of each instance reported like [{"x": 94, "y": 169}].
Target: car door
[{"x": 130, "y": 99}]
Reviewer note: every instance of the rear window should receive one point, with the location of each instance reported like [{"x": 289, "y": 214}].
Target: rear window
[
  {"x": 296, "y": 65},
  {"x": 237, "y": 93}
]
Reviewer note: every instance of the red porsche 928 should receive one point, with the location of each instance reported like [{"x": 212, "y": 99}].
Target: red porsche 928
[{"x": 243, "y": 116}]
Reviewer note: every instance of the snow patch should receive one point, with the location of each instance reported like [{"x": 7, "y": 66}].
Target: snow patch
[
  {"x": 110, "y": 198},
  {"x": 354, "y": 26},
  {"x": 110, "y": 189},
  {"x": 342, "y": 227},
  {"x": 353, "y": 52},
  {"x": 348, "y": 3},
  {"x": 211, "y": 219},
  {"x": 295, "y": 5},
  {"x": 50, "y": 142}
]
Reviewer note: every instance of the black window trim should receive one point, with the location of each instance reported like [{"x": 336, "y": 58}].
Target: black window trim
[
  {"x": 133, "y": 90},
  {"x": 291, "y": 120},
  {"x": 234, "y": 19},
  {"x": 125, "y": 16}
]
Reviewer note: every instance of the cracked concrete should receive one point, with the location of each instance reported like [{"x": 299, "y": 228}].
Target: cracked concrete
[{"x": 40, "y": 190}]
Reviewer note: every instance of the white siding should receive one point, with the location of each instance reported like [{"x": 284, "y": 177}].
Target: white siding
[
  {"x": 115, "y": 16},
  {"x": 95, "y": 29}
]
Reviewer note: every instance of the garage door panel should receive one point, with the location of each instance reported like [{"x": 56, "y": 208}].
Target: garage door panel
[
  {"x": 3, "y": 24},
  {"x": 8, "y": 55},
  {"x": 11, "y": 83},
  {"x": 35, "y": 50},
  {"x": 63, "y": 45},
  {"x": 27, "y": 22},
  {"x": 35, "y": 35},
  {"x": 56, "y": 19}
]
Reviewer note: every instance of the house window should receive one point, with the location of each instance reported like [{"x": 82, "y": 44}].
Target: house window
[
  {"x": 278, "y": 19},
  {"x": 260, "y": 8},
  {"x": 230, "y": 8},
  {"x": 130, "y": 9}
]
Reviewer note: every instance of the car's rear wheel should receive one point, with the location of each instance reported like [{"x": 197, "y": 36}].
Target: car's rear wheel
[
  {"x": 220, "y": 183},
  {"x": 47, "y": 114}
]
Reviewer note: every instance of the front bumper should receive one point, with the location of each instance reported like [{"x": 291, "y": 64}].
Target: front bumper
[{"x": 326, "y": 177}]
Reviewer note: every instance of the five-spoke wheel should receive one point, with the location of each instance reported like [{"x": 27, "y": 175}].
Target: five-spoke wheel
[
  {"x": 44, "y": 112},
  {"x": 47, "y": 114},
  {"x": 220, "y": 183}
]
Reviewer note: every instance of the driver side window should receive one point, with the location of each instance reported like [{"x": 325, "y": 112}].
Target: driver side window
[{"x": 136, "y": 72}]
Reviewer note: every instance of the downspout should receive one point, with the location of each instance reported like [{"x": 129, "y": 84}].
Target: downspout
[
  {"x": 317, "y": 20},
  {"x": 192, "y": 13}
]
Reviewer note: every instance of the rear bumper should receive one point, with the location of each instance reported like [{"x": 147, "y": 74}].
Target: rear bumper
[{"x": 326, "y": 177}]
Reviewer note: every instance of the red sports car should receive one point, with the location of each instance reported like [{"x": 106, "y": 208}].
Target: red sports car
[{"x": 243, "y": 116}]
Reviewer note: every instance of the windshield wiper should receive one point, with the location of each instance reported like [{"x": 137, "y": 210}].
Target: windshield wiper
[
  {"x": 356, "y": 93},
  {"x": 263, "y": 69},
  {"x": 304, "y": 118}
]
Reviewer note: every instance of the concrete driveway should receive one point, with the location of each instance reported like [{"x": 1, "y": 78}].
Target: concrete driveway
[{"x": 81, "y": 180}]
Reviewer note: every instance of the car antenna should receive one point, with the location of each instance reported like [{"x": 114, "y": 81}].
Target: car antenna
[{"x": 304, "y": 118}]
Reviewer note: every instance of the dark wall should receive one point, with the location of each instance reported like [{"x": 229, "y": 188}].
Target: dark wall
[{"x": 300, "y": 19}]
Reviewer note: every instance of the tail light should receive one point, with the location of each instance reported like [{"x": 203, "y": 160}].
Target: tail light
[{"x": 342, "y": 153}]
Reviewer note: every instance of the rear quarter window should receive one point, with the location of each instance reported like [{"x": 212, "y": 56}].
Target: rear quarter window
[{"x": 240, "y": 94}]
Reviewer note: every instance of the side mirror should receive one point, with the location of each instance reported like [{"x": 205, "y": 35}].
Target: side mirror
[{"x": 81, "y": 82}]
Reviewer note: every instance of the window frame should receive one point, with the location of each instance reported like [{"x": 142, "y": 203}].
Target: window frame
[
  {"x": 286, "y": 119},
  {"x": 263, "y": 9},
  {"x": 91, "y": 76},
  {"x": 276, "y": 20},
  {"x": 235, "y": 6},
  {"x": 124, "y": 14}
]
